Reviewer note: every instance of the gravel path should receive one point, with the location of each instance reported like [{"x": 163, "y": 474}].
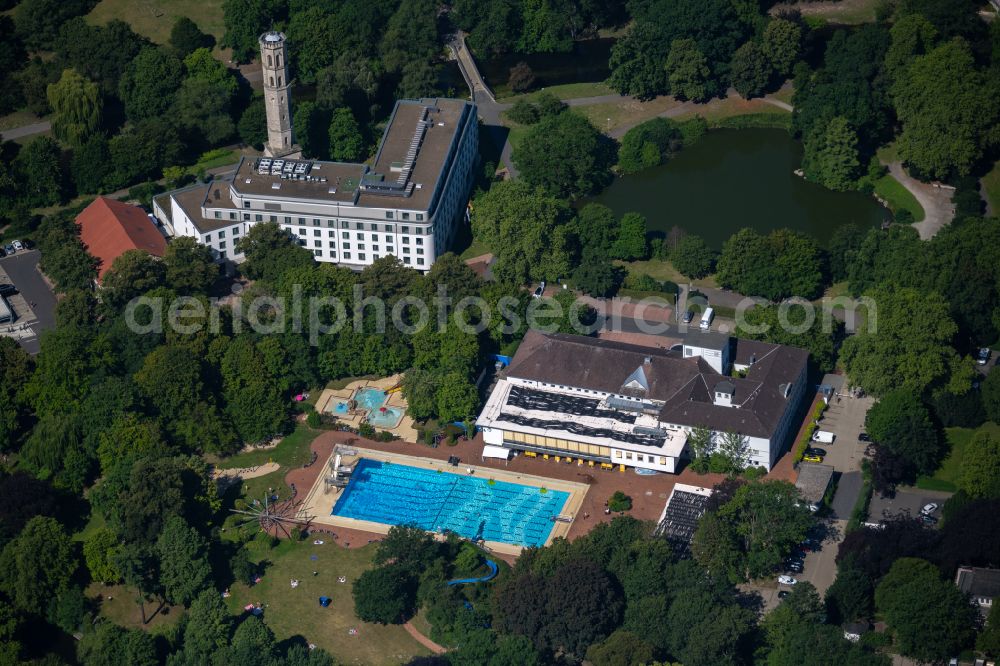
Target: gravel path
[{"x": 936, "y": 201}]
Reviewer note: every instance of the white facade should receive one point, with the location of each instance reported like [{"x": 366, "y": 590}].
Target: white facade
[
  {"x": 663, "y": 397},
  {"x": 349, "y": 214}
]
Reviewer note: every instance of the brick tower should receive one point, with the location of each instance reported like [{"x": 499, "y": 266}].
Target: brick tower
[{"x": 277, "y": 97}]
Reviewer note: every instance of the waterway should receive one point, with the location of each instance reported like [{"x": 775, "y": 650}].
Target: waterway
[{"x": 732, "y": 179}]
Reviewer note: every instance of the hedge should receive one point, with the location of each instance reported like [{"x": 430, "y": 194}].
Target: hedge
[
  {"x": 800, "y": 449},
  {"x": 753, "y": 120}
]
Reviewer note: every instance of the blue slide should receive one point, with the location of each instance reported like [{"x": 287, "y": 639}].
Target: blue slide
[{"x": 488, "y": 577}]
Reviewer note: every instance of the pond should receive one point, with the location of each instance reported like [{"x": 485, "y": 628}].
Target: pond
[{"x": 732, "y": 179}]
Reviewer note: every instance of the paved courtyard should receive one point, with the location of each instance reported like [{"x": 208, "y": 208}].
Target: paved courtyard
[{"x": 34, "y": 305}]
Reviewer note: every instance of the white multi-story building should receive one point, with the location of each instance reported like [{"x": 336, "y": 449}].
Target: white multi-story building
[
  {"x": 618, "y": 404},
  {"x": 407, "y": 202}
]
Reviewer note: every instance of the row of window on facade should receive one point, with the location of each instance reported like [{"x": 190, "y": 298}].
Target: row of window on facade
[
  {"x": 344, "y": 224},
  {"x": 642, "y": 458}
]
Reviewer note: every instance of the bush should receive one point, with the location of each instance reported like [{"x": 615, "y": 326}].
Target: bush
[
  {"x": 524, "y": 113},
  {"x": 692, "y": 129},
  {"x": 549, "y": 105},
  {"x": 619, "y": 501},
  {"x": 366, "y": 430},
  {"x": 641, "y": 282},
  {"x": 385, "y": 595},
  {"x": 313, "y": 419},
  {"x": 903, "y": 216},
  {"x": 144, "y": 193},
  {"x": 692, "y": 257},
  {"x": 648, "y": 144}
]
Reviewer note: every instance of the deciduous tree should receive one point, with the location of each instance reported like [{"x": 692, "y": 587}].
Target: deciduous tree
[{"x": 77, "y": 104}]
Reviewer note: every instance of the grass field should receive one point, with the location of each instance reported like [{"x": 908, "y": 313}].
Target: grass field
[
  {"x": 717, "y": 111},
  {"x": 848, "y": 12},
  {"x": 991, "y": 187},
  {"x": 664, "y": 270},
  {"x": 476, "y": 248},
  {"x": 947, "y": 475},
  {"x": 609, "y": 116},
  {"x": 118, "y": 604},
  {"x": 155, "y": 18},
  {"x": 290, "y": 611},
  {"x": 565, "y": 91},
  {"x": 899, "y": 197}
]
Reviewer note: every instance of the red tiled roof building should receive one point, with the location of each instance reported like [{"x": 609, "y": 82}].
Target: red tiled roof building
[{"x": 109, "y": 228}]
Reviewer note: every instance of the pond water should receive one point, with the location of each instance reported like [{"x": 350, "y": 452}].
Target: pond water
[{"x": 732, "y": 179}]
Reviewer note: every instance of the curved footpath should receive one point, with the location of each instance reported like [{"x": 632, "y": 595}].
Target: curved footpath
[{"x": 936, "y": 201}]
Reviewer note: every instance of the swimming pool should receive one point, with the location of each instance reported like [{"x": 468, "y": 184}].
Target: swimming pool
[
  {"x": 471, "y": 506},
  {"x": 340, "y": 407},
  {"x": 369, "y": 398},
  {"x": 389, "y": 418}
]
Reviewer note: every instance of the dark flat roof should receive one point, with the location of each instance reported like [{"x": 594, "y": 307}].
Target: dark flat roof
[
  {"x": 438, "y": 121},
  {"x": 979, "y": 582}
]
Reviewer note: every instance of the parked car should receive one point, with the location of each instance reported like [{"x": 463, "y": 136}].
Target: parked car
[
  {"x": 18, "y": 245},
  {"x": 929, "y": 508},
  {"x": 539, "y": 291},
  {"x": 864, "y": 437},
  {"x": 794, "y": 567},
  {"x": 783, "y": 593},
  {"x": 7, "y": 289},
  {"x": 927, "y": 520},
  {"x": 813, "y": 458},
  {"x": 787, "y": 580},
  {"x": 816, "y": 451},
  {"x": 983, "y": 357},
  {"x": 824, "y": 436},
  {"x": 688, "y": 317},
  {"x": 10, "y": 248}
]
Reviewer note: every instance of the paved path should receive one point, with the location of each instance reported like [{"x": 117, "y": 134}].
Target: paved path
[
  {"x": 423, "y": 640},
  {"x": 25, "y": 130},
  {"x": 936, "y": 201}
]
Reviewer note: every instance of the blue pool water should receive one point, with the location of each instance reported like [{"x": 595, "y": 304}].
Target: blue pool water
[
  {"x": 341, "y": 407},
  {"x": 388, "y": 419},
  {"x": 369, "y": 398},
  {"x": 436, "y": 501}
]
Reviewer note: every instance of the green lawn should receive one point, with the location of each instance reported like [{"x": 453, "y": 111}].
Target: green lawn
[
  {"x": 947, "y": 475},
  {"x": 847, "y": 12},
  {"x": 290, "y": 611},
  {"x": 118, "y": 604},
  {"x": 664, "y": 270},
  {"x": 476, "y": 248},
  {"x": 292, "y": 451},
  {"x": 155, "y": 18},
  {"x": 991, "y": 185},
  {"x": 565, "y": 91},
  {"x": 899, "y": 198}
]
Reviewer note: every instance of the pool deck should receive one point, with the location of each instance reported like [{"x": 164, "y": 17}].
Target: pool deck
[
  {"x": 329, "y": 398},
  {"x": 649, "y": 493},
  {"x": 320, "y": 501}
]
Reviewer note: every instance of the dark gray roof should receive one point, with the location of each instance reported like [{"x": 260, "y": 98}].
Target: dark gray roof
[
  {"x": 706, "y": 339},
  {"x": 814, "y": 479},
  {"x": 680, "y": 518},
  {"x": 979, "y": 582},
  {"x": 682, "y": 384},
  {"x": 725, "y": 386}
]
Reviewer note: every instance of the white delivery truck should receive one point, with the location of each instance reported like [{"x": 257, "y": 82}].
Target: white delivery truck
[
  {"x": 706, "y": 319},
  {"x": 824, "y": 436}
]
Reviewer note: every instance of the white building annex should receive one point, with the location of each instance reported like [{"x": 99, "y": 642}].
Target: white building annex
[
  {"x": 408, "y": 202},
  {"x": 625, "y": 405}
]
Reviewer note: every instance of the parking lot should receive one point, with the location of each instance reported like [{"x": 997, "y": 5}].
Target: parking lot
[
  {"x": 34, "y": 304},
  {"x": 907, "y": 502}
]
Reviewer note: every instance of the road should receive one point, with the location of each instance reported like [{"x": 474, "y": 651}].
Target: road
[
  {"x": 25, "y": 130},
  {"x": 35, "y": 304}
]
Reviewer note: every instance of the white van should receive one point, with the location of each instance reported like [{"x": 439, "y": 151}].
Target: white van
[
  {"x": 824, "y": 436},
  {"x": 706, "y": 319}
]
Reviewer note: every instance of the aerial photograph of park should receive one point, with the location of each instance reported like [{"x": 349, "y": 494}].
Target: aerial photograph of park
[{"x": 500, "y": 333}]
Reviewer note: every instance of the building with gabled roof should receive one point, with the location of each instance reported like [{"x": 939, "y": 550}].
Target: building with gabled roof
[
  {"x": 625, "y": 405},
  {"x": 109, "y": 228}
]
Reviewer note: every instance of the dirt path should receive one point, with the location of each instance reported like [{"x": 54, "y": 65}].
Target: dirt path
[
  {"x": 25, "y": 130},
  {"x": 423, "y": 640},
  {"x": 936, "y": 201},
  {"x": 247, "y": 472}
]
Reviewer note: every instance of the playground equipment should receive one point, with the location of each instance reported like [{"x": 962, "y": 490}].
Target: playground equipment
[
  {"x": 276, "y": 516},
  {"x": 482, "y": 579},
  {"x": 394, "y": 389}
]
